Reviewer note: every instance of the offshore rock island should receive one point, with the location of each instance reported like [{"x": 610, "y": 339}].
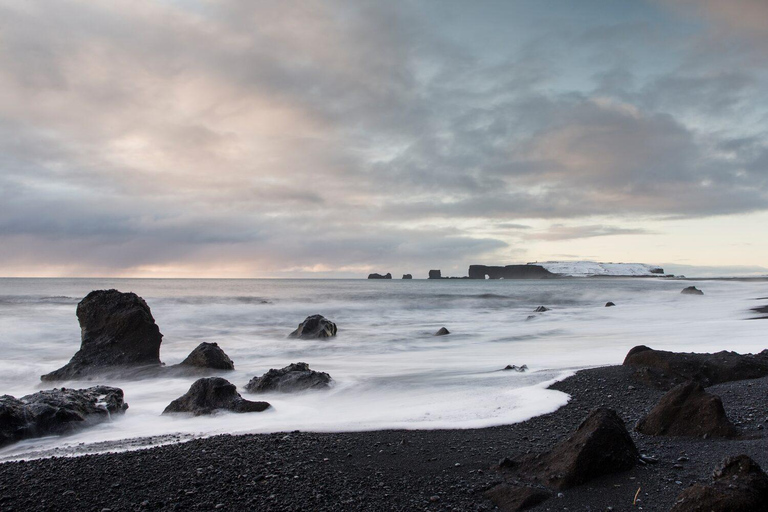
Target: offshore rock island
[{"x": 548, "y": 270}]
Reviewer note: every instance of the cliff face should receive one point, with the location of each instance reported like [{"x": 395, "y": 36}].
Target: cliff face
[{"x": 510, "y": 272}]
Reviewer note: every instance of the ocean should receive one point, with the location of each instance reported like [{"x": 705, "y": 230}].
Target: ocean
[{"x": 389, "y": 370}]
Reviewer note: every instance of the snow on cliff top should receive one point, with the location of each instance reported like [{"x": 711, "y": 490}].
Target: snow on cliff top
[{"x": 593, "y": 268}]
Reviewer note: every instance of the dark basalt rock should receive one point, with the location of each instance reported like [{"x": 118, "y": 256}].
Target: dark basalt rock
[
  {"x": 211, "y": 394},
  {"x": 687, "y": 410},
  {"x": 692, "y": 290},
  {"x": 57, "y": 411},
  {"x": 740, "y": 485},
  {"x": 442, "y": 332},
  {"x": 117, "y": 331},
  {"x": 664, "y": 369},
  {"x": 315, "y": 326},
  {"x": 541, "y": 309},
  {"x": 609, "y": 304},
  {"x": 512, "y": 498},
  {"x": 292, "y": 378},
  {"x": 657, "y": 270},
  {"x": 379, "y": 276},
  {"x": 435, "y": 274},
  {"x": 600, "y": 446},
  {"x": 208, "y": 356},
  {"x": 407, "y": 276},
  {"x": 516, "y": 368},
  {"x": 510, "y": 272}
]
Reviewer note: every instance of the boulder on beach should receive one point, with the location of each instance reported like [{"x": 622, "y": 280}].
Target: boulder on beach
[
  {"x": 407, "y": 276},
  {"x": 739, "y": 485},
  {"x": 315, "y": 326},
  {"x": 57, "y": 411},
  {"x": 692, "y": 290},
  {"x": 600, "y": 446},
  {"x": 541, "y": 309},
  {"x": 208, "y": 356},
  {"x": 117, "y": 331},
  {"x": 442, "y": 332},
  {"x": 211, "y": 394},
  {"x": 379, "y": 276},
  {"x": 292, "y": 378},
  {"x": 609, "y": 304},
  {"x": 666, "y": 369},
  {"x": 687, "y": 410},
  {"x": 513, "y": 498}
]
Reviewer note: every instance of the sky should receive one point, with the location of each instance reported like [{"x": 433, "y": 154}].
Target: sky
[{"x": 201, "y": 138}]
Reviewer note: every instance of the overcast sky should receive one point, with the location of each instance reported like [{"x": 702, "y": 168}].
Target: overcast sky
[{"x": 314, "y": 139}]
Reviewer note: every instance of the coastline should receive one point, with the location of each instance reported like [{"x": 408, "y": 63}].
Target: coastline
[{"x": 391, "y": 469}]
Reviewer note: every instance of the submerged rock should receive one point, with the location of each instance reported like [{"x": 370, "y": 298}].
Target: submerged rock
[
  {"x": 57, "y": 411},
  {"x": 315, "y": 326},
  {"x": 208, "y": 356},
  {"x": 442, "y": 332},
  {"x": 609, "y": 304},
  {"x": 379, "y": 276},
  {"x": 687, "y": 410},
  {"x": 516, "y": 368},
  {"x": 541, "y": 309},
  {"x": 117, "y": 331},
  {"x": 211, "y": 394},
  {"x": 692, "y": 290},
  {"x": 739, "y": 485},
  {"x": 292, "y": 378}
]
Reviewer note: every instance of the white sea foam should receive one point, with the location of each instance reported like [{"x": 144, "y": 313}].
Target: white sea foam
[{"x": 389, "y": 369}]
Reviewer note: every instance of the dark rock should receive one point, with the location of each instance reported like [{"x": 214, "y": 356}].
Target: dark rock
[
  {"x": 57, "y": 411},
  {"x": 692, "y": 290},
  {"x": 657, "y": 270},
  {"x": 117, "y": 331},
  {"x": 600, "y": 446},
  {"x": 294, "y": 377},
  {"x": 665, "y": 369},
  {"x": 510, "y": 272},
  {"x": 210, "y": 394},
  {"x": 511, "y": 498},
  {"x": 407, "y": 276},
  {"x": 530, "y": 317},
  {"x": 740, "y": 485},
  {"x": 379, "y": 276},
  {"x": 609, "y": 304},
  {"x": 687, "y": 410},
  {"x": 315, "y": 326},
  {"x": 541, "y": 309},
  {"x": 208, "y": 356},
  {"x": 442, "y": 332},
  {"x": 435, "y": 274},
  {"x": 516, "y": 368}
]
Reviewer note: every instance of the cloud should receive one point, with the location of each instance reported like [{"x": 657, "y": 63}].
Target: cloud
[{"x": 563, "y": 232}]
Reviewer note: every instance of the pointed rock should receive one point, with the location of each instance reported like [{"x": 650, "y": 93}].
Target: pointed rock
[{"x": 211, "y": 394}]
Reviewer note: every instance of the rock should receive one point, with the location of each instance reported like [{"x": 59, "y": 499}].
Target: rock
[
  {"x": 57, "y": 411},
  {"x": 541, "y": 309},
  {"x": 666, "y": 369},
  {"x": 210, "y": 394},
  {"x": 294, "y": 377},
  {"x": 516, "y": 368},
  {"x": 692, "y": 290},
  {"x": 600, "y": 446},
  {"x": 407, "y": 276},
  {"x": 511, "y": 498},
  {"x": 740, "y": 485},
  {"x": 609, "y": 304},
  {"x": 379, "y": 276},
  {"x": 208, "y": 356},
  {"x": 442, "y": 332},
  {"x": 656, "y": 270},
  {"x": 435, "y": 274},
  {"x": 315, "y": 326},
  {"x": 510, "y": 272},
  {"x": 117, "y": 331},
  {"x": 687, "y": 410}
]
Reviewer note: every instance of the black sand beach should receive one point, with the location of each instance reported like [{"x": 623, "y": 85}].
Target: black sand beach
[{"x": 390, "y": 470}]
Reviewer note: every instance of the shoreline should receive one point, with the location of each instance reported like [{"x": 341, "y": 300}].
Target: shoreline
[{"x": 390, "y": 469}]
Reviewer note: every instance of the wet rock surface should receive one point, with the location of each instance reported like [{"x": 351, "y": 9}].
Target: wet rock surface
[
  {"x": 692, "y": 290},
  {"x": 57, "y": 411},
  {"x": 117, "y": 331},
  {"x": 442, "y": 332},
  {"x": 207, "y": 356},
  {"x": 314, "y": 327},
  {"x": 294, "y": 377},
  {"x": 739, "y": 485},
  {"x": 609, "y": 304},
  {"x": 211, "y": 394}
]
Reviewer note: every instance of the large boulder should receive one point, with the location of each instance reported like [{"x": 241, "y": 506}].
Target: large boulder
[
  {"x": 207, "y": 356},
  {"x": 687, "y": 410},
  {"x": 211, "y": 394},
  {"x": 740, "y": 485},
  {"x": 57, "y": 411},
  {"x": 667, "y": 369},
  {"x": 692, "y": 290},
  {"x": 315, "y": 326},
  {"x": 600, "y": 446},
  {"x": 117, "y": 332},
  {"x": 294, "y": 377}
]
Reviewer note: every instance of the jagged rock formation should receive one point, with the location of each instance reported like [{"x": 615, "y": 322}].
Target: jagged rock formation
[
  {"x": 540, "y": 309},
  {"x": 315, "y": 326},
  {"x": 292, "y": 378},
  {"x": 208, "y": 395},
  {"x": 510, "y": 272}
]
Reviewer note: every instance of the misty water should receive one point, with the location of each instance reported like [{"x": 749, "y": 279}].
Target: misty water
[{"x": 389, "y": 369}]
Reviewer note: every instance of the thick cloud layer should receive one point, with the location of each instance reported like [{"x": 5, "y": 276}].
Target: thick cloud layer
[{"x": 248, "y": 138}]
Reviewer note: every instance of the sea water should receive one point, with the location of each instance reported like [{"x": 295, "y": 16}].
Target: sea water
[{"x": 389, "y": 369}]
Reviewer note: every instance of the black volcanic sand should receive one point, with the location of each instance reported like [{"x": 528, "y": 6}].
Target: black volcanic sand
[{"x": 388, "y": 470}]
